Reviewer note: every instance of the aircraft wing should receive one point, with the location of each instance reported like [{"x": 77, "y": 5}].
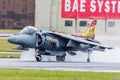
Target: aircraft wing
[{"x": 73, "y": 41}]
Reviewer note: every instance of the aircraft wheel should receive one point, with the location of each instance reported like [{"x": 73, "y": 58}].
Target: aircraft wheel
[
  {"x": 88, "y": 60},
  {"x": 89, "y": 52},
  {"x": 60, "y": 58},
  {"x": 38, "y": 58}
]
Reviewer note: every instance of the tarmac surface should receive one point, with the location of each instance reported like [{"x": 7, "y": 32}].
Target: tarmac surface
[
  {"x": 65, "y": 66},
  {"x": 108, "y": 61}
]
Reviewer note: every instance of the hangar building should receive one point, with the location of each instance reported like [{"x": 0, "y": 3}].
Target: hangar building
[
  {"x": 46, "y": 15},
  {"x": 15, "y": 14}
]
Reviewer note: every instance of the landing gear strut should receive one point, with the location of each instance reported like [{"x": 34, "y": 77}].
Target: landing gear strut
[
  {"x": 89, "y": 52},
  {"x": 38, "y": 55},
  {"x": 38, "y": 58}
]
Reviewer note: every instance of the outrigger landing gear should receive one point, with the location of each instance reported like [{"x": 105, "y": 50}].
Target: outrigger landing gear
[
  {"x": 38, "y": 56},
  {"x": 89, "y": 52},
  {"x": 88, "y": 59}
]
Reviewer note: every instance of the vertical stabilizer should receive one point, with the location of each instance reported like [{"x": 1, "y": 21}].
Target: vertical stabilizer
[{"x": 90, "y": 32}]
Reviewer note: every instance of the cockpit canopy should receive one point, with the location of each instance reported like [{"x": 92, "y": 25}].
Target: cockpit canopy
[{"x": 28, "y": 30}]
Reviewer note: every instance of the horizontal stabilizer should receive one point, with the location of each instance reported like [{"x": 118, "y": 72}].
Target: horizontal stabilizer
[{"x": 110, "y": 48}]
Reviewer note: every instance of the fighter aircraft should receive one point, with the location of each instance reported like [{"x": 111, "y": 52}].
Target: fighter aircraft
[{"x": 53, "y": 43}]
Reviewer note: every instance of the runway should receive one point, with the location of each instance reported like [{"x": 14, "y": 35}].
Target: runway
[
  {"x": 108, "y": 61},
  {"x": 65, "y": 66}
]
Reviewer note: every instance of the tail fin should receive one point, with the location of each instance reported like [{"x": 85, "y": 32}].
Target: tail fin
[{"x": 90, "y": 32}]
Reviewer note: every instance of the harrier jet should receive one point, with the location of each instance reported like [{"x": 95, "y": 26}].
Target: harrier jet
[{"x": 53, "y": 43}]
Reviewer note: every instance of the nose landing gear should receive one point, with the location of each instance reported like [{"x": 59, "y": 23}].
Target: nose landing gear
[
  {"x": 38, "y": 58},
  {"x": 38, "y": 55}
]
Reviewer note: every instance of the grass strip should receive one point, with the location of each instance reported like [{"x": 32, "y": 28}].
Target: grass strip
[
  {"x": 5, "y": 46},
  {"x": 4, "y": 55},
  {"x": 12, "y": 31},
  {"x": 22, "y": 74}
]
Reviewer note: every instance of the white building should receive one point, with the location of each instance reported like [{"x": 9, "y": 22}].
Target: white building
[{"x": 48, "y": 17}]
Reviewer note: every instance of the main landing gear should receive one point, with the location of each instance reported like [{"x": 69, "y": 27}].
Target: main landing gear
[
  {"x": 89, "y": 52},
  {"x": 59, "y": 58}
]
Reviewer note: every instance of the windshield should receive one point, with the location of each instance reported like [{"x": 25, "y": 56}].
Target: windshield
[{"x": 28, "y": 30}]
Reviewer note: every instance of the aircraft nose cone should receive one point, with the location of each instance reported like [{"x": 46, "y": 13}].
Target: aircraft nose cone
[{"x": 11, "y": 39}]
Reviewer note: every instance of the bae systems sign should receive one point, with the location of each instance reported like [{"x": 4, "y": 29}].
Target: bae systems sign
[{"x": 105, "y": 9}]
